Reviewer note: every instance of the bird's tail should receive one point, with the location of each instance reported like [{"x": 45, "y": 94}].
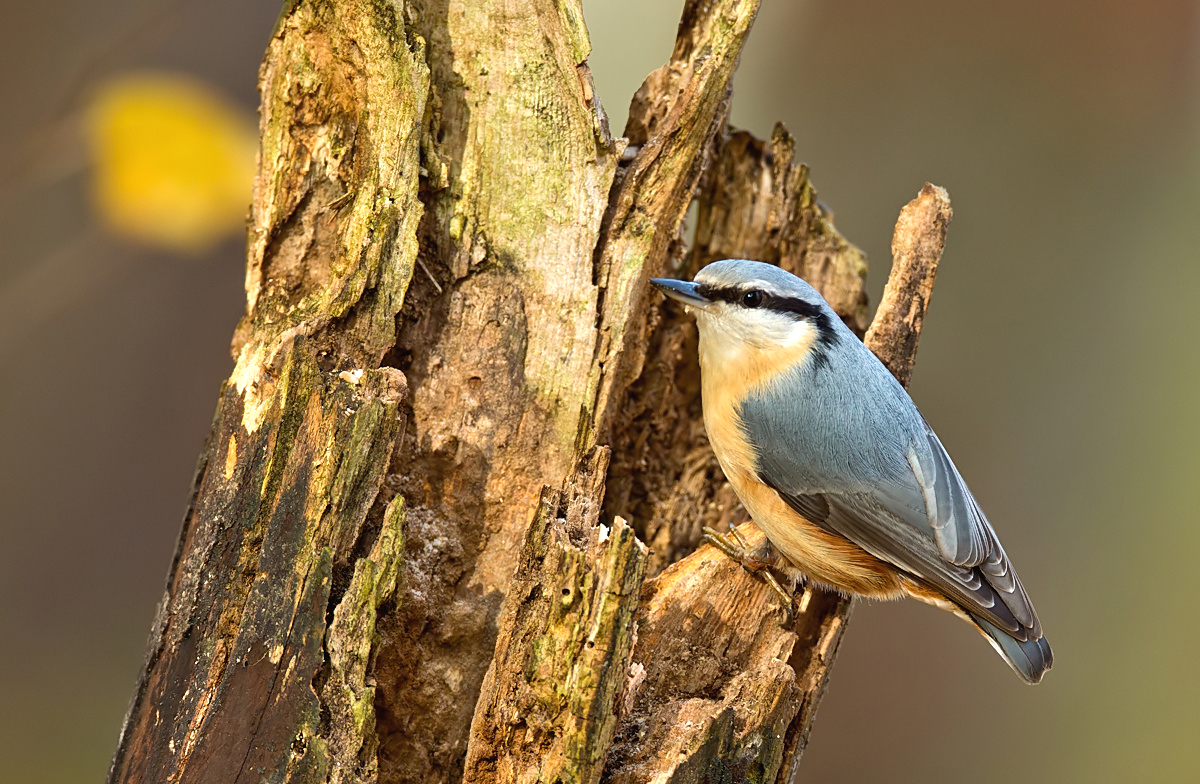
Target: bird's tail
[{"x": 1029, "y": 658}]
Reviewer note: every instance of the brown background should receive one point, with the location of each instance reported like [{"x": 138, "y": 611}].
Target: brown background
[{"x": 1059, "y": 362}]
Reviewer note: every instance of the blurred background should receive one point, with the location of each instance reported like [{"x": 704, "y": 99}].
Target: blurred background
[{"x": 1059, "y": 361}]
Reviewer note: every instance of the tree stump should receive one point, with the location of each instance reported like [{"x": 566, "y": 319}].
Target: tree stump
[{"x": 406, "y": 556}]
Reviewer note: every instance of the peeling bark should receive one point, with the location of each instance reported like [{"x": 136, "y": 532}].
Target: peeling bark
[
  {"x": 406, "y": 556},
  {"x": 290, "y": 509}
]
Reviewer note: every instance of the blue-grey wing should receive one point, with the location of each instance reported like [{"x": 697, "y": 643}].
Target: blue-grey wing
[
  {"x": 961, "y": 530},
  {"x": 854, "y": 455},
  {"x": 867, "y": 522},
  {"x": 958, "y": 525}
]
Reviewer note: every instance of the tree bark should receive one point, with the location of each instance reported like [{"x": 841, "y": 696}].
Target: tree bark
[{"x": 406, "y": 556}]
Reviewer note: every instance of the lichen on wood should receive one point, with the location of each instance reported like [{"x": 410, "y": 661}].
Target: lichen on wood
[
  {"x": 348, "y": 691},
  {"x": 333, "y": 235},
  {"x": 547, "y": 710},
  {"x": 241, "y": 637},
  {"x": 290, "y": 497}
]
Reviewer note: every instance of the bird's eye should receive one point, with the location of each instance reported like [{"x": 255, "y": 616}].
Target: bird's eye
[{"x": 752, "y": 298}]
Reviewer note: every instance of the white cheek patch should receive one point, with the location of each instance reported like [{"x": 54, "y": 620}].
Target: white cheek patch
[
  {"x": 761, "y": 329},
  {"x": 720, "y": 343},
  {"x": 767, "y": 330},
  {"x": 731, "y": 337},
  {"x": 801, "y": 332}
]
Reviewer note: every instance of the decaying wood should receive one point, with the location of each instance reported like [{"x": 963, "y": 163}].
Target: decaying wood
[
  {"x": 258, "y": 661},
  {"x": 547, "y": 710},
  {"x": 508, "y": 383},
  {"x": 408, "y": 469},
  {"x": 916, "y": 247}
]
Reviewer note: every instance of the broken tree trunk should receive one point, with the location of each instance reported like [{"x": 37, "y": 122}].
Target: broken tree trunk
[{"x": 406, "y": 556}]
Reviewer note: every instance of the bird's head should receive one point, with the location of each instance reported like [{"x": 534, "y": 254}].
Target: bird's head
[{"x": 750, "y": 308}]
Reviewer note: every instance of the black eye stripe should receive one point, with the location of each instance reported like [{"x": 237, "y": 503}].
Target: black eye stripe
[
  {"x": 792, "y": 306},
  {"x": 769, "y": 301}
]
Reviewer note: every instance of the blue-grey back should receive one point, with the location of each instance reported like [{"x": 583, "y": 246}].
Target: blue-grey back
[{"x": 836, "y": 423}]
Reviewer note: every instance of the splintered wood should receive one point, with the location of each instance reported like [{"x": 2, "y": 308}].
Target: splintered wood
[{"x": 547, "y": 709}]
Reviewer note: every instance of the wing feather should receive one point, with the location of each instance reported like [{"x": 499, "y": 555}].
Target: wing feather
[
  {"x": 864, "y": 521},
  {"x": 948, "y": 543},
  {"x": 965, "y": 537},
  {"x": 869, "y": 468}
]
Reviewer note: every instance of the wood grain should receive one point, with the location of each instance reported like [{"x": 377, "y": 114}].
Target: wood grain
[{"x": 917, "y": 247}]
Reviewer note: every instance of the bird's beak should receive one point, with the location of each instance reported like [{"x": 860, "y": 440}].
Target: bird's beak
[{"x": 682, "y": 291}]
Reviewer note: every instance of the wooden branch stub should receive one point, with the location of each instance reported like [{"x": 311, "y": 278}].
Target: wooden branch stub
[
  {"x": 706, "y": 627},
  {"x": 893, "y": 337},
  {"x": 547, "y": 709},
  {"x": 916, "y": 249}
]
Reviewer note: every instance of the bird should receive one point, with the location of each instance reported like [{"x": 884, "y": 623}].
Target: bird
[{"x": 833, "y": 461}]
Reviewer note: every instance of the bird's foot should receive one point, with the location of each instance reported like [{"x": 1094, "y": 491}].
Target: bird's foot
[{"x": 737, "y": 548}]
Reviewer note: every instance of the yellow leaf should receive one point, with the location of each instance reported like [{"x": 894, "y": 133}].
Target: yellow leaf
[{"x": 173, "y": 160}]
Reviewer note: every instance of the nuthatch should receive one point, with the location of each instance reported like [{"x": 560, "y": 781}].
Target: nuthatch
[{"x": 835, "y": 464}]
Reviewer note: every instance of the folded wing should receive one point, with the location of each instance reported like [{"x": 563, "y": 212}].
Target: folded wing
[{"x": 927, "y": 524}]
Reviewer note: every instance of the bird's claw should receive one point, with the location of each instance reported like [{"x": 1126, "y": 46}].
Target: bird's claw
[{"x": 737, "y": 548}]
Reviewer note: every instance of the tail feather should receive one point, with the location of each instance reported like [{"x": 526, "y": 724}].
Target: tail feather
[{"x": 1029, "y": 658}]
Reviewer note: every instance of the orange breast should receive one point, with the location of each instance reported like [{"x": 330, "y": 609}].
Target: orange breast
[{"x": 825, "y": 557}]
